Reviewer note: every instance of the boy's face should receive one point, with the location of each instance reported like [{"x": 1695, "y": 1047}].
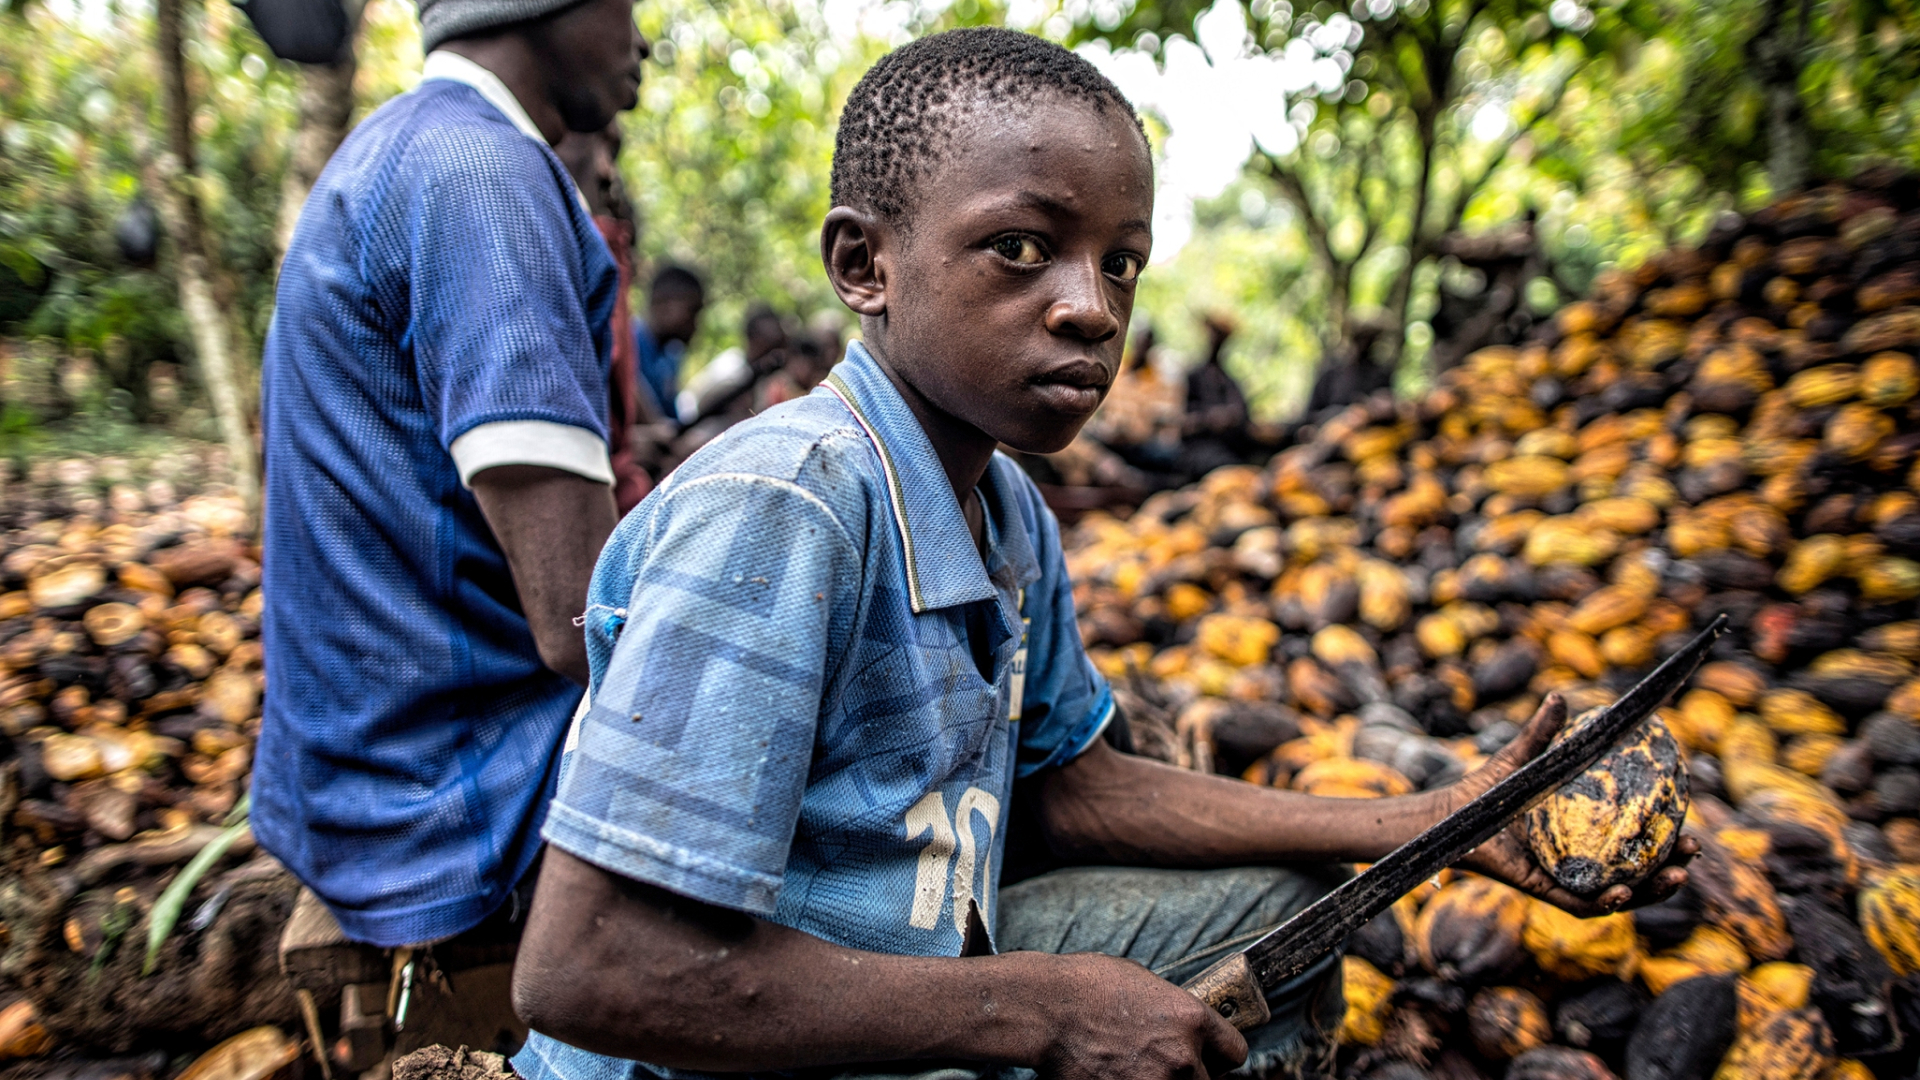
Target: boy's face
[{"x": 1006, "y": 297}]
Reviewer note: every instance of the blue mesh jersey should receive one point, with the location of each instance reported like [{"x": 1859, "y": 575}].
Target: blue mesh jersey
[
  {"x": 787, "y": 716},
  {"x": 443, "y": 276}
]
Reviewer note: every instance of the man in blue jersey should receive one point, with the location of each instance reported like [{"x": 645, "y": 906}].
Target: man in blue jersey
[{"x": 435, "y": 417}]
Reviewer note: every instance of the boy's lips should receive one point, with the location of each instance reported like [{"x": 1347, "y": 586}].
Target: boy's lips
[{"x": 1074, "y": 387}]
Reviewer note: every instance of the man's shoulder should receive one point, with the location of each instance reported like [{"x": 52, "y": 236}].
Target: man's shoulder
[{"x": 441, "y": 129}]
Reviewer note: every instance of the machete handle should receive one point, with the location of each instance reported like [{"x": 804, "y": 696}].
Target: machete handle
[{"x": 1229, "y": 988}]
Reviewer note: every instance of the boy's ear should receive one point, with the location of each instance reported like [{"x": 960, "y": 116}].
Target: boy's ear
[{"x": 853, "y": 246}]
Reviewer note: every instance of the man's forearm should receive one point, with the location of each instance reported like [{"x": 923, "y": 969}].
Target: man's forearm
[
  {"x": 1112, "y": 807},
  {"x": 628, "y": 970}
]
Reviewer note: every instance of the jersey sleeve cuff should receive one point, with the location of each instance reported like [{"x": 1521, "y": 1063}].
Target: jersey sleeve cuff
[
  {"x": 531, "y": 442},
  {"x": 655, "y": 862},
  {"x": 1079, "y": 740}
]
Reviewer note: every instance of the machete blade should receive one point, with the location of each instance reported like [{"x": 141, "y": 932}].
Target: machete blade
[{"x": 1297, "y": 943}]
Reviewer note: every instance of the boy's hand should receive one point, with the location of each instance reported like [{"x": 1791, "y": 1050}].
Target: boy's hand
[
  {"x": 1507, "y": 857},
  {"x": 1115, "y": 1020}
]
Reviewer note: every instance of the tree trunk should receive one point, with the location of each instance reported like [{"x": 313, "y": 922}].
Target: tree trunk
[
  {"x": 178, "y": 187},
  {"x": 1777, "y": 50},
  {"x": 325, "y": 105}
]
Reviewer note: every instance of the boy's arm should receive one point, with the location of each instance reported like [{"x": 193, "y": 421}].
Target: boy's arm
[
  {"x": 621, "y": 968},
  {"x": 1105, "y": 806}
]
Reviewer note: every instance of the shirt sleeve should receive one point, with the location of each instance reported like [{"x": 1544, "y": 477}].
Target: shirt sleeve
[
  {"x": 502, "y": 295},
  {"x": 1066, "y": 704},
  {"x": 695, "y": 753},
  {"x": 531, "y": 442}
]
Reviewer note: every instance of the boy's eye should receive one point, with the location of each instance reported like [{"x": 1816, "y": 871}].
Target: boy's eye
[
  {"x": 1123, "y": 267},
  {"x": 1024, "y": 250}
]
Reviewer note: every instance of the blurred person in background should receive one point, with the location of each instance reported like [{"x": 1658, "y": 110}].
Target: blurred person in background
[
  {"x": 1215, "y": 429},
  {"x": 593, "y": 159},
  {"x": 675, "y": 299}
]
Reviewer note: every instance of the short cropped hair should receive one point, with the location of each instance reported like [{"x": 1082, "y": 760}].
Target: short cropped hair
[
  {"x": 676, "y": 280},
  {"x": 892, "y": 131}
]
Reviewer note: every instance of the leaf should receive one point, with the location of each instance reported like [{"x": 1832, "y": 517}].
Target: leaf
[{"x": 167, "y": 909}]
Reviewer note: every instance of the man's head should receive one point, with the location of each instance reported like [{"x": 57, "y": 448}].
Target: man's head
[
  {"x": 992, "y": 204},
  {"x": 764, "y": 332},
  {"x": 674, "y": 302},
  {"x": 586, "y": 54}
]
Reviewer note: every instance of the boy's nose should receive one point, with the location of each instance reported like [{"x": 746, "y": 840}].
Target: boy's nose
[{"x": 1081, "y": 310}]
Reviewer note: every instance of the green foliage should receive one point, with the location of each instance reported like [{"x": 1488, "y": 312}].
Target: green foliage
[
  {"x": 1625, "y": 127},
  {"x": 80, "y": 131},
  {"x": 1848, "y": 66},
  {"x": 727, "y": 156}
]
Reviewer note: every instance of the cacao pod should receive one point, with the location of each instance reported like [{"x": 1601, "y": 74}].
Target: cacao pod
[
  {"x": 1506, "y": 1021},
  {"x": 1789, "y": 1044},
  {"x": 1369, "y": 1002},
  {"x": 1615, "y": 823},
  {"x": 1471, "y": 930},
  {"x": 1569, "y": 947},
  {"x": 1685, "y": 1032},
  {"x": 1890, "y": 917},
  {"x": 1558, "y": 1063}
]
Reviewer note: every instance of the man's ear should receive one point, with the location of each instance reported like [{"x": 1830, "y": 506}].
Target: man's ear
[{"x": 853, "y": 246}]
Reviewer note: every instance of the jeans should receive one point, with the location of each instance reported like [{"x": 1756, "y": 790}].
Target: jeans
[{"x": 1176, "y": 922}]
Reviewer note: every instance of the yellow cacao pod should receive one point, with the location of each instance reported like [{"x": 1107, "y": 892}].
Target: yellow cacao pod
[
  {"x": 1615, "y": 823},
  {"x": 1369, "y": 994},
  {"x": 1789, "y": 1044},
  {"x": 1605, "y": 609},
  {"x": 1705, "y": 717},
  {"x": 1783, "y": 985},
  {"x": 1569, "y": 947},
  {"x": 1889, "y": 579},
  {"x": 1888, "y": 379},
  {"x": 1890, "y": 917},
  {"x": 1577, "y": 651},
  {"x": 1624, "y": 514},
  {"x": 1741, "y": 684},
  {"x": 1531, "y": 476},
  {"x": 1828, "y": 384},
  {"x": 1811, "y": 562},
  {"x": 1351, "y": 778},
  {"x": 1856, "y": 429},
  {"x": 1796, "y": 712},
  {"x": 1336, "y": 645},
  {"x": 1240, "y": 640}
]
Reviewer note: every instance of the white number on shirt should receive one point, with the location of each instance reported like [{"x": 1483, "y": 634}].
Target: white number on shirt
[{"x": 929, "y": 816}]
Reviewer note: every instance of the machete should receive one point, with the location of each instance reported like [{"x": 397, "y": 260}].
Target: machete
[{"x": 1235, "y": 987}]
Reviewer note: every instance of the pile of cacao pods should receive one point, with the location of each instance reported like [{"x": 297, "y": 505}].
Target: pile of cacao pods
[
  {"x": 130, "y": 674},
  {"x": 1725, "y": 429}
]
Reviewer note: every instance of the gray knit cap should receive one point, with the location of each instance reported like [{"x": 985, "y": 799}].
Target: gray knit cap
[{"x": 443, "y": 20}]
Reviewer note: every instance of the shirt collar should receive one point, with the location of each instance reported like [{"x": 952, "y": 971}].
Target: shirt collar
[
  {"x": 442, "y": 64},
  {"x": 943, "y": 565}
]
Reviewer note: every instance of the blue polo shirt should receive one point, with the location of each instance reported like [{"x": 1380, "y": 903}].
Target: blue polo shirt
[
  {"x": 811, "y": 695},
  {"x": 444, "y": 290}
]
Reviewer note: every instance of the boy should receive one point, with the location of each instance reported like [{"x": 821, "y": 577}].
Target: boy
[{"x": 824, "y": 648}]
